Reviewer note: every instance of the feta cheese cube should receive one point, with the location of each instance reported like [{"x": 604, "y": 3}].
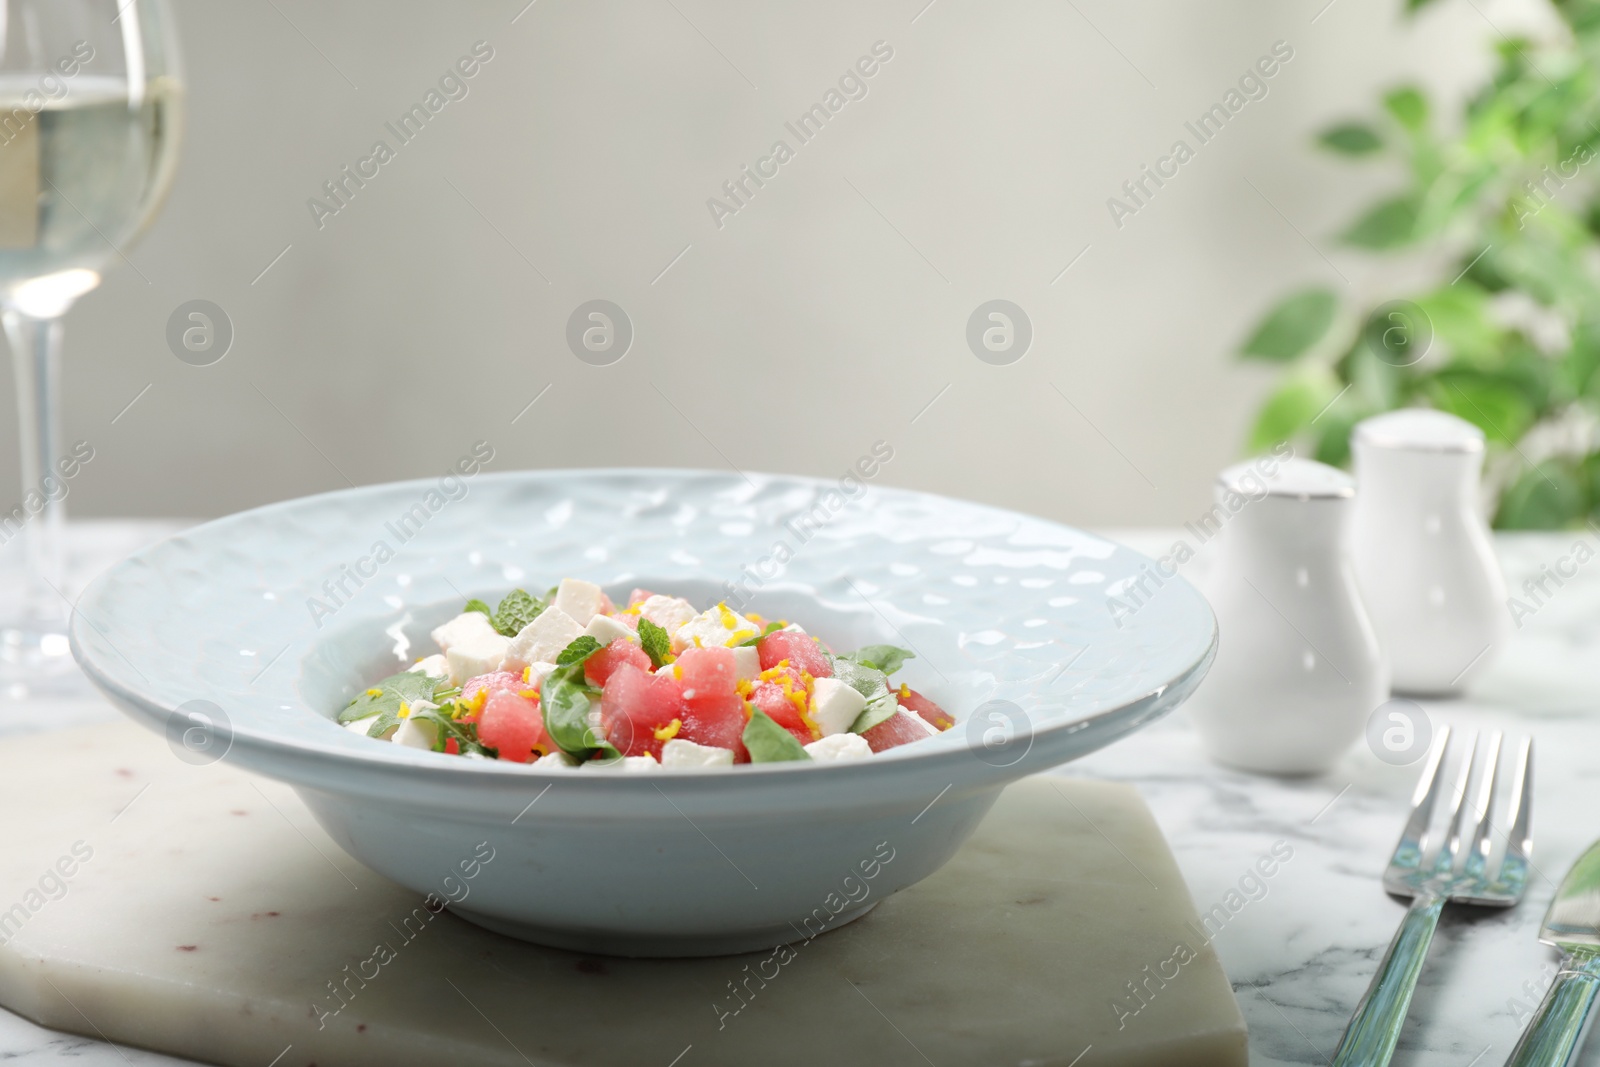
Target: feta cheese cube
[
  {"x": 667, "y": 612},
  {"x": 541, "y": 671},
  {"x": 542, "y": 640},
  {"x": 718, "y": 627},
  {"x": 581, "y": 600},
  {"x": 626, "y": 765},
  {"x": 416, "y": 733},
  {"x": 834, "y": 705},
  {"x": 434, "y": 666},
  {"x": 555, "y": 761},
  {"x": 467, "y": 625},
  {"x": 476, "y": 655},
  {"x": 361, "y": 726},
  {"x": 605, "y": 629},
  {"x": 838, "y": 748},
  {"x": 681, "y": 753},
  {"x": 747, "y": 663}
]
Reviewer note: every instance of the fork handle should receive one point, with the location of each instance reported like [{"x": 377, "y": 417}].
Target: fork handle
[
  {"x": 1370, "y": 1038},
  {"x": 1556, "y": 1031}
]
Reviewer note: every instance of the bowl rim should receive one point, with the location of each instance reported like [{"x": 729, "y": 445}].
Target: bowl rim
[{"x": 278, "y": 756}]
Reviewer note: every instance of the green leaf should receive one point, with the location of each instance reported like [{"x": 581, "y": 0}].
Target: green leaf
[
  {"x": 581, "y": 648},
  {"x": 768, "y": 742},
  {"x": 1387, "y": 224},
  {"x": 566, "y": 700},
  {"x": 1290, "y": 409},
  {"x": 1492, "y": 404},
  {"x": 1547, "y": 497},
  {"x": 657, "y": 645},
  {"x": 1299, "y": 321},
  {"x": 772, "y": 627},
  {"x": 1408, "y": 106},
  {"x": 407, "y": 687},
  {"x": 446, "y": 727},
  {"x": 872, "y": 684},
  {"x": 885, "y": 658},
  {"x": 1413, "y": 6},
  {"x": 477, "y": 605},
  {"x": 1351, "y": 139},
  {"x": 517, "y": 610}
]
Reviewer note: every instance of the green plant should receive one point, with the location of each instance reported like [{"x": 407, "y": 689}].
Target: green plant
[{"x": 1507, "y": 335}]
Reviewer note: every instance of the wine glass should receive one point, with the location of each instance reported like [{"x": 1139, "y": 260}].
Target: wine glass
[{"x": 91, "y": 104}]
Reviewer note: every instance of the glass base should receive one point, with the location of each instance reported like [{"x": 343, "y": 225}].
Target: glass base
[{"x": 37, "y": 662}]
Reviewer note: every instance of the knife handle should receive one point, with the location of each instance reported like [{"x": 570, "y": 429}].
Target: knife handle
[
  {"x": 1370, "y": 1038},
  {"x": 1556, "y": 1031}
]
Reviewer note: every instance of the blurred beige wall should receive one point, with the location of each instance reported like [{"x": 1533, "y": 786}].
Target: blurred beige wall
[{"x": 829, "y": 312}]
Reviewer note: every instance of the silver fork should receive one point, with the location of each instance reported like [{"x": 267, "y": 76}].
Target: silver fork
[{"x": 1432, "y": 873}]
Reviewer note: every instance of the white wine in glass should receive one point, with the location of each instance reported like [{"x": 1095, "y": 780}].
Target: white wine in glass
[{"x": 91, "y": 103}]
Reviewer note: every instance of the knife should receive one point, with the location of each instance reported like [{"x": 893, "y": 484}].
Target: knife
[{"x": 1556, "y": 1031}]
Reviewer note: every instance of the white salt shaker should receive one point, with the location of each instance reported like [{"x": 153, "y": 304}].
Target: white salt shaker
[
  {"x": 1422, "y": 549},
  {"x": 1299, "y": 669}
]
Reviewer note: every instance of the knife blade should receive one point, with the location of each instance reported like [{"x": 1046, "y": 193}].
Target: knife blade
[{"x": 1557, "y": 1029}]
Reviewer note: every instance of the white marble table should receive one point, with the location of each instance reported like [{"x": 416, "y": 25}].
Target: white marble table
[{"x": 1301, "y": 948}]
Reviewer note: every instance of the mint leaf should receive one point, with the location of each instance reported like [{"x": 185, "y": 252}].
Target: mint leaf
[
  {"x": 772, "y": 627},
  {"x": 579, "y": 650},
  {"x": 872, "y": 684},
  {"x": 566, "y": 699},
  {"x": 885, "y": 658},
  {"x": 517, "y": 610},
  {"x": 768, "y": 742},
  {"x": 657, "y": 645},
  {"x": 477, "y": 605},
  {"x": 385, "y": 697}
]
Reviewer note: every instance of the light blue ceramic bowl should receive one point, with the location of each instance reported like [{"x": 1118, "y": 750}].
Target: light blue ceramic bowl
[{"x": 243, "y": 637}]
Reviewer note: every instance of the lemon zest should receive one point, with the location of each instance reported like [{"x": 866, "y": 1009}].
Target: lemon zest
[
  {"x": 374, "y": 692},
  {"x": 405, "y": 710},
  {"x": 669, "y": 731}
]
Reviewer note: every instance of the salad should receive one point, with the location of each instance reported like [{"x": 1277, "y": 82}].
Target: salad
[{"x": 571, "y": 680}]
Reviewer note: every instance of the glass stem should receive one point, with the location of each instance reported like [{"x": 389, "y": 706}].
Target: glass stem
[{"x": 36, "y": 358}]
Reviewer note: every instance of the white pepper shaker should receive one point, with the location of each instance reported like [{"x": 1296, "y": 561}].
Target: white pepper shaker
[
  {"x": 1422, "y": 549},
  {"x": 1299, "y": 669}
]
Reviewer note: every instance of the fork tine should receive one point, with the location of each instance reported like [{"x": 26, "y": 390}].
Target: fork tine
[
  {"x": 1414, "y": 837},
  {"x": 1519, "y": 843},
  {"x": 1488, "y": 790},
  {"x": 1451, "y": 848}
]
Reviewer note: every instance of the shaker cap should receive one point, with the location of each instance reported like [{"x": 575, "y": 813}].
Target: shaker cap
[
  {"x": 1419, "y": 430},
  {"x": 1301, "y": 479}
]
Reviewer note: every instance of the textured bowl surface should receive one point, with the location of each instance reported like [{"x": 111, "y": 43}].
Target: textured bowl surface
[{"x": 242, "y": 638}]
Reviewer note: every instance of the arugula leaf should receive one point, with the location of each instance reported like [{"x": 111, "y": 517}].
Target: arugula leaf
[
  {"x": 566, "y": 700},
  {"x": 445, "y": 727},
  {"x": 385, "y": 697},
  {"x": 657, "y": 645},
  {"x": 477, "y": 605},
  {"x": 885, "y": 658},
  {"x": 872, "y": 684},
  {"x": 517, "y": 610},
  {"x": 772, "y": 627},
  {"x": 578, "y": 651},
  {"x": 768, "y": 742}
]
